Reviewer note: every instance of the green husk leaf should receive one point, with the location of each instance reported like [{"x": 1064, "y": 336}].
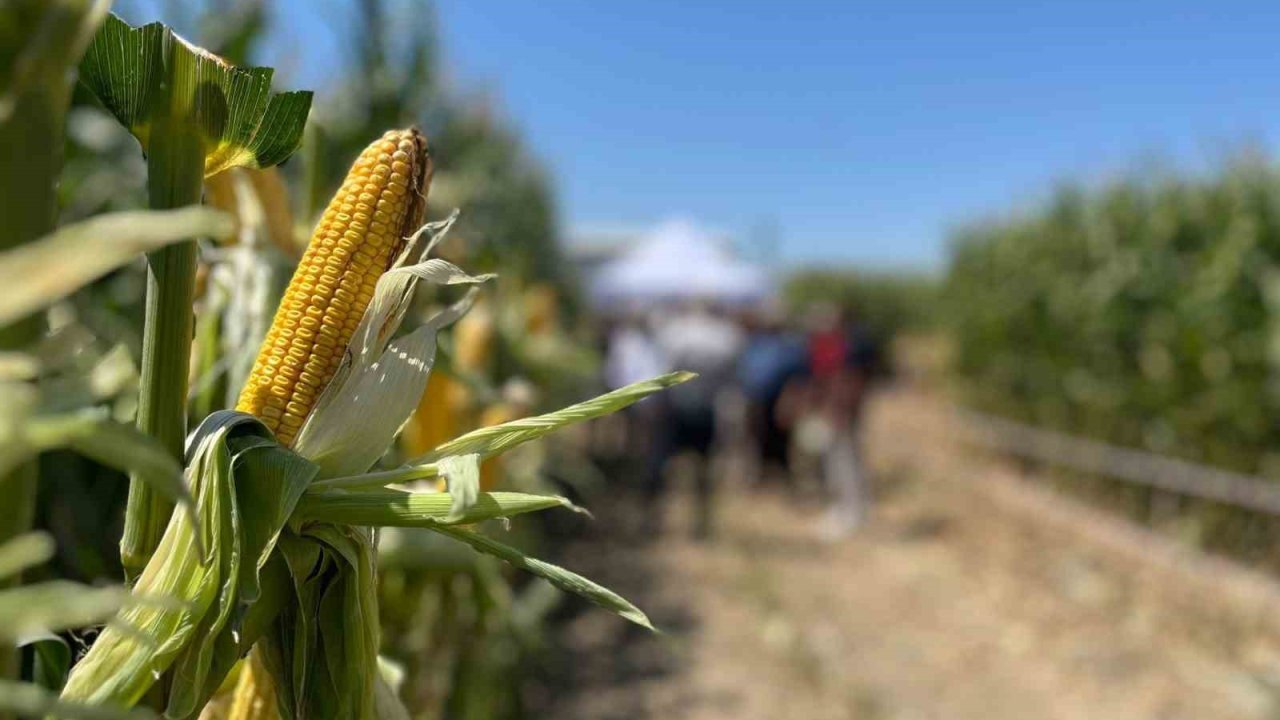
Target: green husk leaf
[
  {"x": 490, "y": 441},
  {"x": 399, "y": 508},
  {"x": 382, "y": 478},
  {"x": 322, "y": 650},
  {"x": 214, "y": 572},
  {"x": 38, "y": 273},
  {"x": 564, "y": 579},
  {"x": 268, "y": 482},
  {"x": 149, "y": 77}
]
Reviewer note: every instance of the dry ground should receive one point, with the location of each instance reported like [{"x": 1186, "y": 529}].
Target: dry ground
[{"x": 972, "y": 593}]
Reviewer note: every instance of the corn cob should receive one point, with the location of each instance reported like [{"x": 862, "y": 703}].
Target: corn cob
[
  {"x": 540, "y": 309},
  {"x": 473, "y": 338},
  {"x": 496, "y": 414},
  {"x": 255, "y": 696},
  {"x": 434, "y": 421},
  {"x": 360, "y": 234}
]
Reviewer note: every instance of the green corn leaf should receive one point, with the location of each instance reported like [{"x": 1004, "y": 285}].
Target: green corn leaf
[
  {"x": 558, "y": 576},
  {"x": 268, "y": 482},
  {"x": 153, "y": 81},
  {"x": 29, "y": 700},
  {"x": 52, "y": 659},
  {"x": 490, "y": 441},
  {"x": 94, "y": 434},
  {"x": 24, "y": 551},
  {"x": 38, "y": 273},
  {"x": 382, "y": 478},
  {"x": 399, "y": 508},
  {"x": 54, "y": 605}
]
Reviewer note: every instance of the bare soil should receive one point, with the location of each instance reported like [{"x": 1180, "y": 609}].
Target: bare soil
[{"x": 974, "y": 591}]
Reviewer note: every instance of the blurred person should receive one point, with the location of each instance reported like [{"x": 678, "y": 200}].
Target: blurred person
[
  {"x": 697, "y": 339},
  {"x": 774, "y": 358},
  {"x": 842, "y": 361},
  {"x": 632, "y": 355}
]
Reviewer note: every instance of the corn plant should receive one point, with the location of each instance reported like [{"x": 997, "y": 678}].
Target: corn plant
[
  {"x": 272, "y": 556},
  {"x": 195, "y": 116},
  {"x": 47, "y": 401},
  {"x": 1143, "y": 313}
]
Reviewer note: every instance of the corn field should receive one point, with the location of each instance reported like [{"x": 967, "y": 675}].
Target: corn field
[
  {"x": 302, "y": 422},
  {"x": 1142, "y": 313}
]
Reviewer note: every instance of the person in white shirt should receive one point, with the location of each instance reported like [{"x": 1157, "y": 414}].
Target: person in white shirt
[{"x": 696, "y": 339}]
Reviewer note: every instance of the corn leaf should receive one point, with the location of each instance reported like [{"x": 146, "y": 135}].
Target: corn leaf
[
  {"x": 490, "y": 441},
  {"x": 399, "y": 508},
  {"x": 36, "y": 274},
  {"x": 28, "y": 700},
  {"x": 40, "y": 48},
  {"x": 150, "y": 77},
  {"x": 497, "y": 439},
  {"x": 95, "y": 435},
  {"x": 24, "y": 551},
  {"x": 51, "y": 659},
  {"x": 54, "y": 605},
  {"x": 558, "y": 576}
]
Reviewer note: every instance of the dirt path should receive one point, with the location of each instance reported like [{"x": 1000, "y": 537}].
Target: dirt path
[{"x": 971, "y": 594}]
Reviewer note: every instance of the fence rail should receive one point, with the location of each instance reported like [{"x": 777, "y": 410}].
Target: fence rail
[{"x": 1134, "y": 466}]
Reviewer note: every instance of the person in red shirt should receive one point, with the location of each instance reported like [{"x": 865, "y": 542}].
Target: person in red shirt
[{"x": 841, "y": 365}]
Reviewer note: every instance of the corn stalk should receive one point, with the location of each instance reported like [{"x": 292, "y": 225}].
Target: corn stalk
[{"x": 195, "y": 116}]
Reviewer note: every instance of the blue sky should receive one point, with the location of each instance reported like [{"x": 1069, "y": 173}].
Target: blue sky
[{"x": 862, "y": 131}]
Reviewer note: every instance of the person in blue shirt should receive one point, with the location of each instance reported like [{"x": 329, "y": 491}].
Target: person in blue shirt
[{"x": 774, "y": 358}]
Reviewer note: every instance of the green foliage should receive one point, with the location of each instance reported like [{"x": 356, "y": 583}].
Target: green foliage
[
  {"x": 1143, "y": 313},
  {"x": 155, "y": 83},
  {"x": 885, "y": 302}
]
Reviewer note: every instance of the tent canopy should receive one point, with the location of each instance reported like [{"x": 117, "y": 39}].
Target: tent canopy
[{"x": 678, "y": 261}]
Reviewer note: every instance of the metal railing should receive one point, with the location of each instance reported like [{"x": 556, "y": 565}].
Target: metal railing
[{"x": 1135, "y": 466}]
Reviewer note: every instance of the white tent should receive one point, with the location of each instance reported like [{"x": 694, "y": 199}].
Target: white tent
[{"x": 678, "y": 261}]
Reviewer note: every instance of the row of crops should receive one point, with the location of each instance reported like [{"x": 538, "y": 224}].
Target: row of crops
[
  {"x": 327, "y": 527},
  {"x": 1145, "y": 312}
]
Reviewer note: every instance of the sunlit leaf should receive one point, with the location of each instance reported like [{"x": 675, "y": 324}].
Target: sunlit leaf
[
  {"x": 400, "y": 508},
  {"x": 36, "y": 274},
  {"x": 216, "y": 573},
  {"x": 25, "y": 551},
  {"x": 150, "y": 76},
  {"x": 94, "y": 434},
  {"x": 28, "y": 700},
  {"x": 371, "y": 396},
  {"x": 558, "y": 576},
  {"x": 490, "y": 441},
  {"x": 54, "y": 605}
]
